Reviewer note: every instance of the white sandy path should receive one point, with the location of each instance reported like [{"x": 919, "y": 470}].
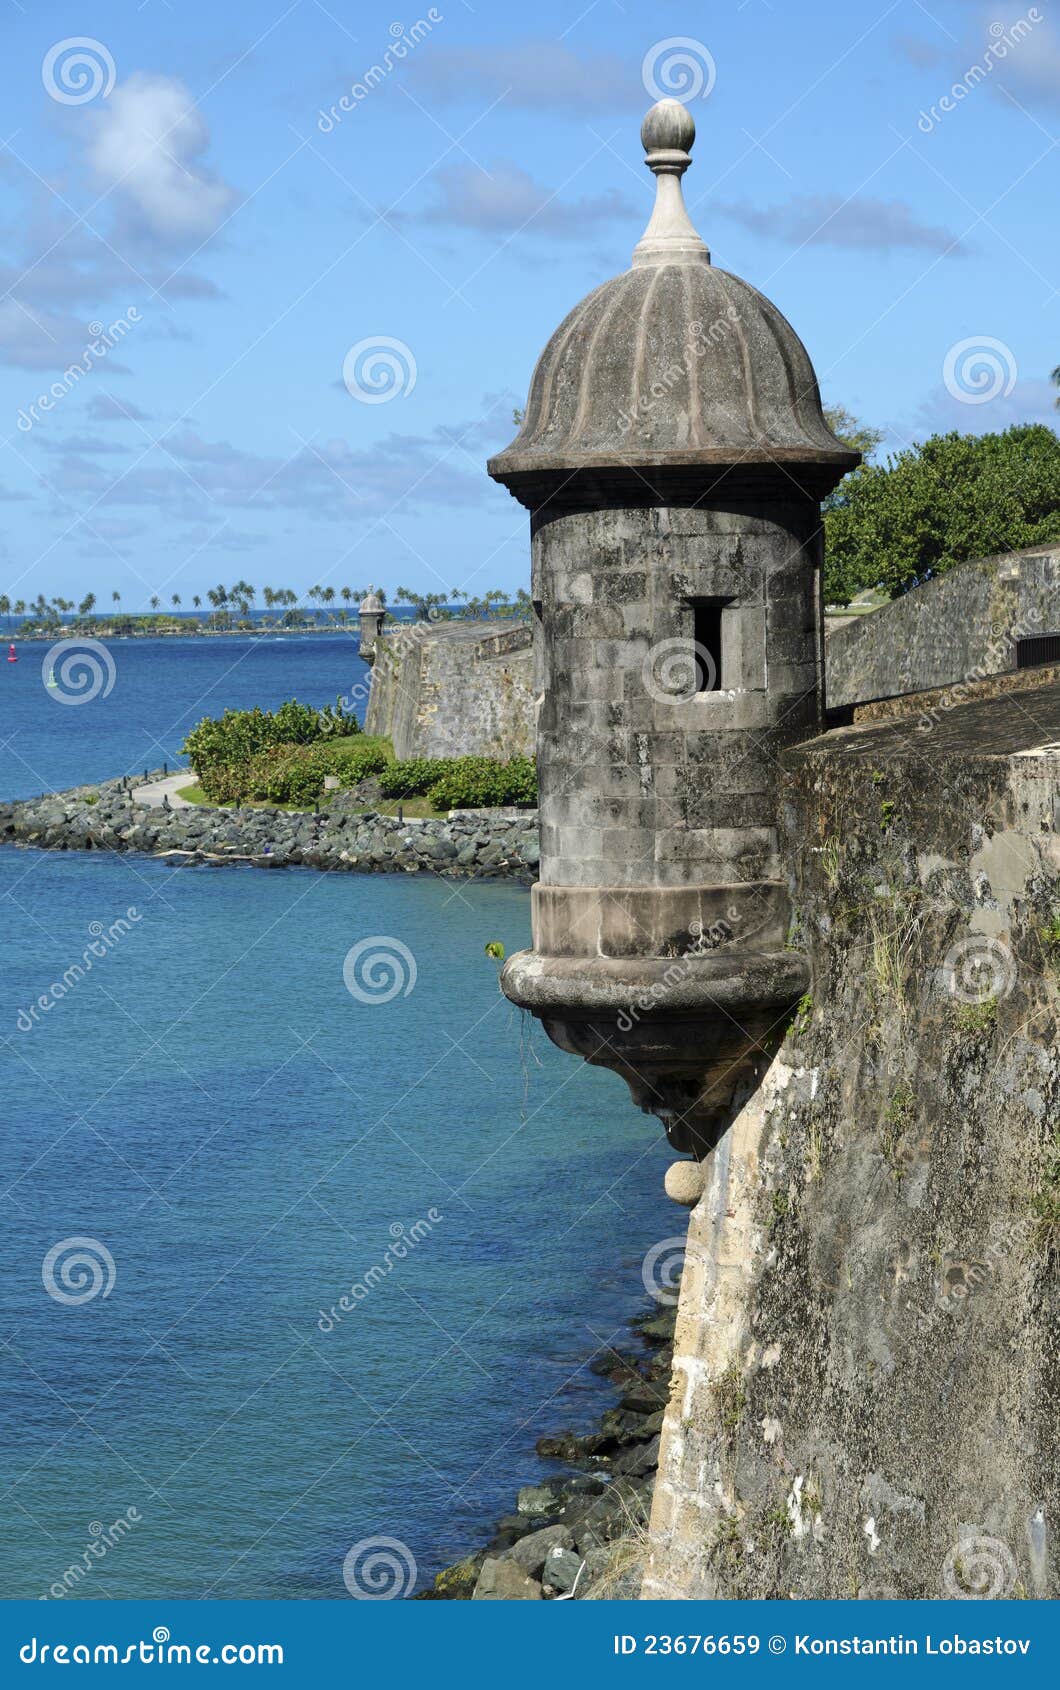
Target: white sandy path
[{"x": 155, "y": 790}]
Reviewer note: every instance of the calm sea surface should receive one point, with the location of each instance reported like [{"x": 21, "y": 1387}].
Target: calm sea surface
[{"x": 246, "y": 1140}]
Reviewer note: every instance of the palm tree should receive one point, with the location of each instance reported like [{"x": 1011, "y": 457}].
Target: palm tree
[
  {"x": 88, "y": 603},
  {"x": 19, "y": 607},
  {"x": 116, "y": 597},
  {"x": 5, "y": 605},
  {"x": 1055, "y": 379},
  {"x": 176, "y": 601},
  {"x": 197, "y": 602}
]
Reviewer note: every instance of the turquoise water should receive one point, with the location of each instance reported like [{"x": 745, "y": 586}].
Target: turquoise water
[
  {"x": 246, "y": 1141},
  {"x": 150, "y": 693}
]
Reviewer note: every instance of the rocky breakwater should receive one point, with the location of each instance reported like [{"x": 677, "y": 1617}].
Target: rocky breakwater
[
  {"x": 582, "y": 1532},
  {"x": 473, "y": 844}
]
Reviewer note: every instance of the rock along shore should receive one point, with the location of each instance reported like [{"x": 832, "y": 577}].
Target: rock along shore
[
  {"x": 468, "y": 844},
  {"x": 582, "y": 1533}
]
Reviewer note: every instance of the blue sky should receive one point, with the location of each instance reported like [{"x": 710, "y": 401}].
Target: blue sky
[{"x": 180, "y": 179}]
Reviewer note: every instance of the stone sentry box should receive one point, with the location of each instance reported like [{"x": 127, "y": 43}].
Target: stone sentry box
[{"x": 673, "y": 458}]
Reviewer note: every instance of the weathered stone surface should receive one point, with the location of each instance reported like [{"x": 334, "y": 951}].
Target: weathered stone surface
[
  {"x": 958, "y": 627},
  {"x": 561, "y": 1570},
  {"x": 454, "y": 689},
  {"x": 865, "y": 1362},
  {"x": 495, "y": 844},
  {"x": 531, "y": 1551},
  {"x": 505, "y": 1581}
]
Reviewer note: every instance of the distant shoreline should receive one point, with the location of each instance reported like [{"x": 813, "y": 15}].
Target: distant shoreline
[{"x": 193, "y": 630}]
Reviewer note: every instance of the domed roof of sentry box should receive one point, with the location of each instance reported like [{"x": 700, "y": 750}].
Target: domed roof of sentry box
[
  {"x": 671, "y": 371},
  {"x": 371, "y": 604}
]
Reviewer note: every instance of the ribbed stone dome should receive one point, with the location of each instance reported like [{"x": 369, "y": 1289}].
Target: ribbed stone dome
[{"x": 672, "y": 365}]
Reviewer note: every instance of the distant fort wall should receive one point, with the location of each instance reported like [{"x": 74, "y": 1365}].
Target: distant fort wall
[
  {"x": 961, "y": 627},
  {"x": 455, "y": 689},
  {"x": 459, "y": 688}
]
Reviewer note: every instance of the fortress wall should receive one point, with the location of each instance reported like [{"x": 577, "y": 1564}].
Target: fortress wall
[
  {"x": 455, "y": 689},
  {"x": 867, "y": 1359},
  {"x": 957, "y": 627}
]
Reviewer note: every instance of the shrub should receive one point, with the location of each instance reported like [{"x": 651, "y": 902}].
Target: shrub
[
  {"x": 481, "y": 783},
  {"x": 415, "y": 775},
  {"x": 221, "y": 747},
  {"x": 294, "y": 774}
]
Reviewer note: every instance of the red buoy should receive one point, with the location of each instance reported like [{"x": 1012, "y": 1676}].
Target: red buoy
[{"x": 11, "y": 655}]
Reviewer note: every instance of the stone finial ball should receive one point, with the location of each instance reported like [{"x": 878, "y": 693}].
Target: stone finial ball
[
  {"x": 668, "y": 127},
  {"x": 684, "y": 1182}
]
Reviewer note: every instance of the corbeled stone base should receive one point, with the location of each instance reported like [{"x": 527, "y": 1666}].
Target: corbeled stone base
[{"x": 687, "y": 1033}]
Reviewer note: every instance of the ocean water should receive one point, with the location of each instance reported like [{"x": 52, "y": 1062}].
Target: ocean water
[
  {"x": 246, "y": 1124},
  {"x": 137, "y": 698}
]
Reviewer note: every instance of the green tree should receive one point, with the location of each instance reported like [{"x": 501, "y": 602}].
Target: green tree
[
  {"x": 857, "y": 435},
  {"x": 956, "y": 496}
]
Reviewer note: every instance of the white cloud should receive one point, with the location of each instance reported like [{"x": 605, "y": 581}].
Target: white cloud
[
  {"x": 828, "y": 219},
  {"x": 509, "y": 199},
  {"x": 147, "y": 145},
  {"x": 1032, "y": 400}
]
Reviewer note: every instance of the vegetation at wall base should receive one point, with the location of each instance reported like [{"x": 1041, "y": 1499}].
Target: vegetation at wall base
[
  {"x": 222, "y": 749},
  {"x": 953, "y": 498},
  {"x": 285, "y": 756},
  {"x": 481, "y": 783}
]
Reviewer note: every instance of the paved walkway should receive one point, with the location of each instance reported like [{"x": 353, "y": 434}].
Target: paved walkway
[{"x": 155, "y": 790}]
